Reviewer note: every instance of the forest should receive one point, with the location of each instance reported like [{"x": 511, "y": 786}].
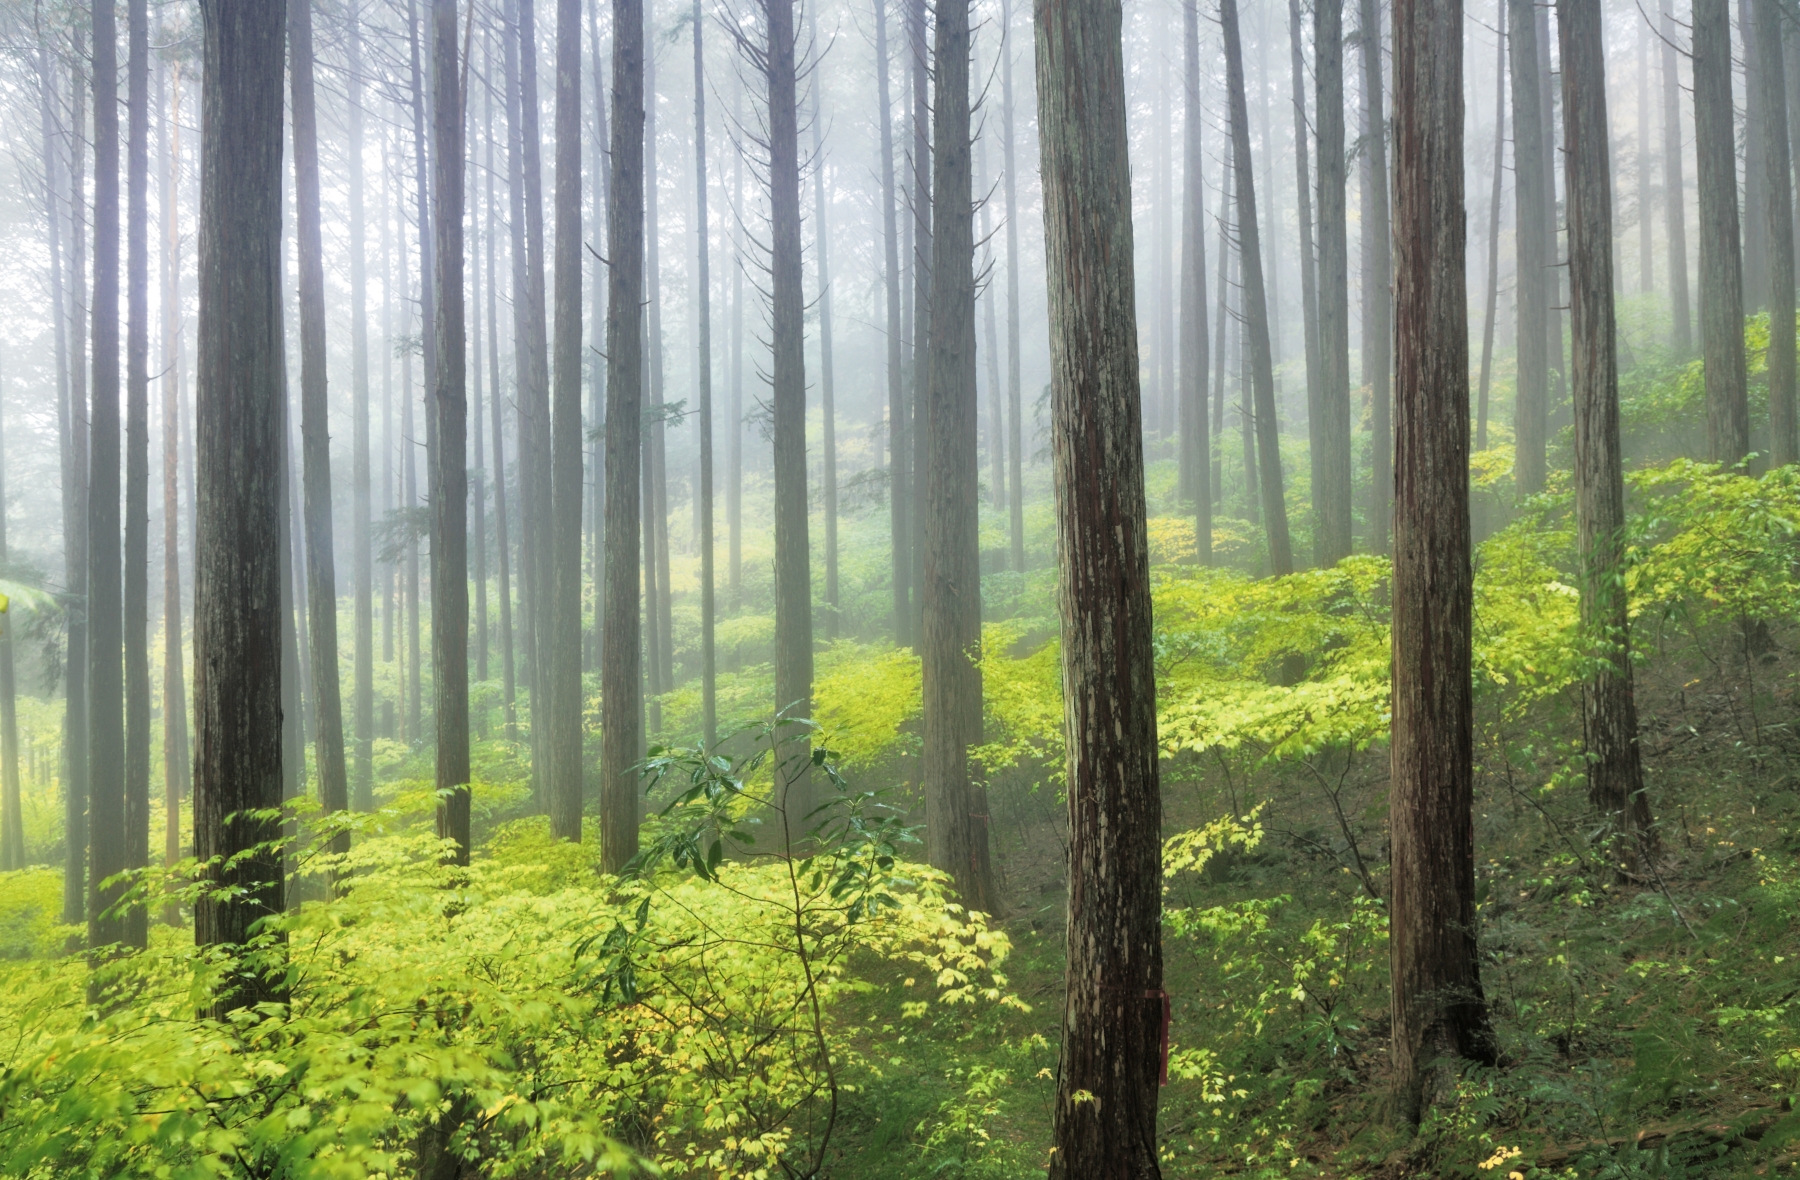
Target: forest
[{"x": 899, "y": 589}]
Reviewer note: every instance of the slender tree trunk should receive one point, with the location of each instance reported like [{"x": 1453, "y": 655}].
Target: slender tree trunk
[
  {"x": 1557, "y": 397},
  {"x": 1309, "y": 290},
  {"x": 502, "y": 540},
  {"x": 136, "y": 589},
  {"x": 827, "y": 390},
  {"x": 990, "y": 338},
  {"x": 919, "y": 62},
  {"x": 415, "y": 711},
  {"x": 1532, "y": 236},
  {"x": 1721, "y": 273},
  {"x": 621, "y": 686},
  {"x": 1492, "y": 300},
  {"x": 793, "y": 564},
  {"x": 1196, "y": 445},
  {"x": 656, "y": 457},
  {"x": 956, "y": 824},
  {"x": 478, "y": 492},
  {"x": 898, "y": 436},
  {"x": 106, "y": 688},
  {"x": 1439, "y": 1014},
  {"x": 177, "y": 773},
  {"x": 1784, "y": 441},
  {"x": 1615, "y": 775},
  {"x": 1675, "y": 190},
  {"x": 597, "y": 333},
  {"x": 1256, "y": 317},
  {"x": 1377, "y": 321},
  {"x": 362, "y": 777},
  {"x": 1332, "y": 494},
  {"x": 1015, "y": 427},
  {"x": 709, "y": 664},
  {"x": 564, "y": 703},
  {"x": 1645, "y": 155},
  {"x": 315, "y": 437},
  {"x": 239, "y": 439},
  {"x": 734, "y": 482},
  {"x": 1115, "y": 1011},
  {"x": 1756, "y": 166},
  {"x": 449, "y": 465},
  {"x": 1226, "y": 279}
]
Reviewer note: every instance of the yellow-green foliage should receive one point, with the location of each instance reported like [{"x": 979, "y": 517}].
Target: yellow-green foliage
[
  {"x": 1717, "y": 542},
  {"x": 862, "y": 698}
]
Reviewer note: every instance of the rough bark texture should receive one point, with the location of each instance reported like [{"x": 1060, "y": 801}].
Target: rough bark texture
[
  {"x": 1721, "y": 265},
  {"x": 562, "y": 708},
  {"x": 1532, "y": 239},
  {"x": 449, "y": 464},
  {"x": 956, "y": 823},
  {"x": 1115, "y": 1006},
  {"x": 1675, "y": 190},
  {"x": 621, "y": 687},
  {"x": 1615, "y": 775},
  {"x": 1784, "y": 443},
  {"x": 1015, "y": 429},
  {"x": 238, "y": 438},
  {"x": 136, "y": 589},
  {"x": 1261, "y": 399},
  {"x": 1196, "y": 444},
  {"x": 106, "y": 686},
  {"x": 362, "y": 774},
  {"x": 1332, "y": 496},
  {"x": 1378, "y": 266},
  {"x": 709, "y": 663},
  {"x": 315, "y": 436},
  {"x": 898, "y": 436},
  {"x": 1438, "y": 1010}
]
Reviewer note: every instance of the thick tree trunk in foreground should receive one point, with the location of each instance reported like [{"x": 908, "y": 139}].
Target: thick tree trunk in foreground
[
  {"x": 899, "y": 438},
  {"x": 1377, "y": 276},
  {"x": 362, "y": 776},
  {"x": 1721, "y": 264},
  {"x": 956, "y": 811},
  {"x": 1332, "y": 494},
  {"x": 1784, "y": 444},
  {"x": 315, "y": 437},
  {"x": 1615, "y": 775},
  {"x": 136, "y": 589},
  {"x": 238, "y": 436},
  {"x": 105, "y": 611},
  {"x": 1196, "y": 444},
  {"x": 449, "y": 465},
  {"x": 562, "y": 707},
  {"x": 1532, "y": 236},
  {"x": 621, "y": 685},
  {"x": 1438, "y": 1010},
  {"x": 1256, "y": 308},
  {"x": 1114, "y": 1013}
]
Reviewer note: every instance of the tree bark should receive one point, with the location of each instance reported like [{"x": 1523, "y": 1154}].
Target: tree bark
[
  {"x": 621, "y": 686},
  {"x": 1675, "y": 191},
  {"x": 237, "y": 619},
  {"x": 1256, "y": 313},
  {"x": 899, "y": 437},
  {"x": 919, "y": 72},
  {"x": 956, "y": 824},
  {"x": 1303, "y": 208},
  {"x": 1532, "y": 238},
  {"x": 1784, "y": 443},
  {"x": 362, "y": 777},
  {"x": 1196, "y": 444},
  {"x": 1756, "y": 165},
  {"x": 1332, "y": 494},
  {"x": 1378, "y": 268},
  {"x": 315, "y": 436},
  {"x": 1015, "y": 430},
  {"x": 136, "y": 589},
  {"x": 107, "y": 829},
  {"x": 1615, "y": 776},
  {"x": 1721, "y": 264},
  {"x": 709, "y": 664},
  {"x": 449, "y": 465},
  {"x": 177, "y": 772},
  {"x": 1492, "y": 299},
  {"x": 1115, "y": 1009},
  {"x": 1438, "y": 1010},
  {"x": 564, "y": 703},
  {"x": 656, "y": 473}
]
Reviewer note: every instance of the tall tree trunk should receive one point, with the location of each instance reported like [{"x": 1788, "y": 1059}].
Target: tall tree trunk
[
  {"x": 956, "y": 826},
  {"x": 1256, "y": 308},
  {"x": 1721, "y": 265},
  {"x": 621, "y": 686},
  {"x": 1646, "y": 249},
  {"x": 106, "y": 688},
  {"x": 1557, "y": 399},
  {"x": 1015, "y": 426},
  {"x": 597, "y": 334},
  {"x": 1756, "y": 166},
  {"x": 734, "y": 453},
  {"x": 177, "y": 772},
  {"x": 990, "y": 338},
  {"x": 136, "y": 588},
  {"x": 1225, "y": 281},
  {"x": 1675, "y": 189},
  {"x": 919, "y": 61},
  {"x": 239, "y": 440},
  {"x": 478, "y": 492},
  {"x": 1491, "y": 303},
  {"x": 1784, "y": 442},
  {"x": 362, "y": 777},
  {"x": 709, "y": 664},
  {"x": 1439, "y": 1014},
  {"x": 502, "y": 539},
  {"x": 899, "y": 438},
  {"x": 1615, "y": 775},
  {"x": 1115, "y": 1012},
  {"x": 1377, "y": 320},
  {"x": 827, "y": 390},
  {"x": 450, "y": 464},
  {"x": 1332, "y": 494},
  {"x": 415, "y": 712},
  {"x": 315, "y": 436},
  {"x": 654, "y": 636},
  {"x": 793, "y": 563},
  {"x": 1196, "y": 445},
  {"x": 1532, "y": 235},
  {"x": 1309, "y": 290},
  {"x": 564, "y": 705}
]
